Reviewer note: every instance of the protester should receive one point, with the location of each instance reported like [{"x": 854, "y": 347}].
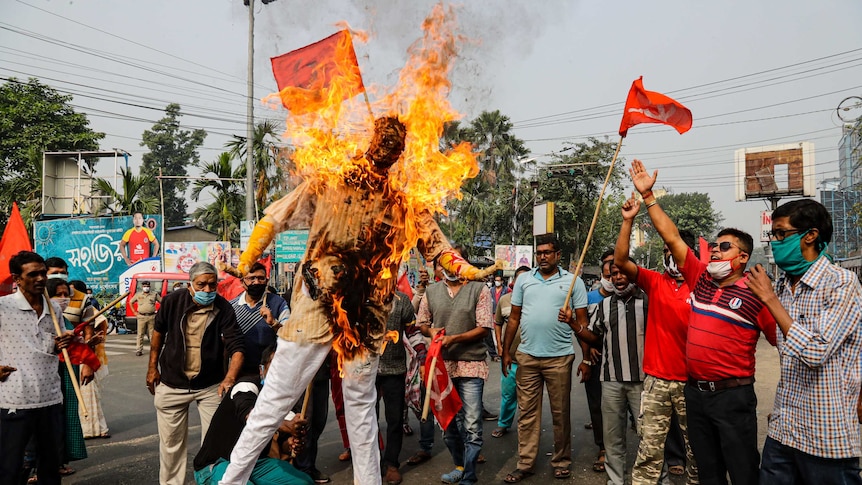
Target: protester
[
  {"x": 813, "y": 432},
  {"x": 31, "y": 401},
  {"x": 725, "y": 325},
  {"x": 259, "y": 314},
  {"x": 663, "y": 354},
  {"x": 544, "y": 356},
  {"x": 463, "y": 309},
  {"x": 195, "y": 332},
  {"x": 508, "y": 385},
  {"x": 143, "y": 307}
]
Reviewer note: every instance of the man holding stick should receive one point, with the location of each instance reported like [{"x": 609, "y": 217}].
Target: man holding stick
[{"x": 30, "y": 398}]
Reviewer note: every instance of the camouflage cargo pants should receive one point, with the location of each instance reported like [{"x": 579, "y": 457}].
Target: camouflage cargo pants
[{"x": 661, "y": 399}]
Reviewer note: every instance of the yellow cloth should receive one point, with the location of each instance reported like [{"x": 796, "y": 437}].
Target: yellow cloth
[{"x": 196, "y": 323}]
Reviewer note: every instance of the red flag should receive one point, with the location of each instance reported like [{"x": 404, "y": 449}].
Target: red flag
[
  {"x": 445, "y": 402},
  {"x": 403, "y": 286},
  {"x": 15, "y": 239},
  {"x": 703, "y": 248},
  {"x": 644, "y": 106},
  {"x": 81, "y": 353},
  {"x": 305, "y": 76},
  {"x": 231, "y": 287}
]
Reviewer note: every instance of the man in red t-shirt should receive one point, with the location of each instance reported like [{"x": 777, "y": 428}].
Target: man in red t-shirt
[
  {"x": 724, "y": 327},
  {"x": 664, "y": 353},
  {"x": 138, "y": 239}
]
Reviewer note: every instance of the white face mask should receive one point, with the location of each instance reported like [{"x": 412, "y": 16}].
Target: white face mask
[
  {"x": 58, "y": 276},
  {"x": 607, "y": 286},
  {"x": 450, "y": 277},
  {"x": 720, "y": 269},
  {"x": 63, "y": 302},
  {"x": 498, "y": 283},
  {"x": 671, "y": 267},
  {"x": 625, "y": 291},
  {"x": 146, "y": 289}
]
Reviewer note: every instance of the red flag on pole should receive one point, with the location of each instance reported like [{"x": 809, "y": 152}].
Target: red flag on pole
[
  {"x": 15, "y": 239},
  {"x": 644, "y": 106},
  {"x": 703, "y": 249},
  {"x": 445, "y": 402},
  {"x": 308, "y": 77},
  {"x": 403, "y": 285}
]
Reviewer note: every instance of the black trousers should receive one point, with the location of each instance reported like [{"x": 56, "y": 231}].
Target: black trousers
[
  {"x": 674, "y": 446},
  {"x": 45, "y": 426},
  {"x": 722, "y": 428},
  {"x": 593, "y": 388},
  {"x": 392, "y": 389}
]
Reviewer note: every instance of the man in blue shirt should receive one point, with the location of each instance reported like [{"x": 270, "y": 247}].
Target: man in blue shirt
[{"x": 545, "y": 355}]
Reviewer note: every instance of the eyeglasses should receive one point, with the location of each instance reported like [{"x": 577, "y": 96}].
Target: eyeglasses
[
  {"x": 539, "y": 254},
  {"x": 255, "y": 279},
  {"x": 780, "y": 234},
  {"x": 724, "y": 246}
]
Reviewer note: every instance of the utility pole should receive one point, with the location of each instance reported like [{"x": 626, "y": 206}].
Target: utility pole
[{"x": 249, "y": 151}]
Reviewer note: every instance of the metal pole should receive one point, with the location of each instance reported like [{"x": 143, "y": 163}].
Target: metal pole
[{"x": 249, "y": 152}]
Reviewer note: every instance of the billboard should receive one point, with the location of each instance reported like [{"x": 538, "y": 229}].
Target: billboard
[
  {"x": 90, "y": 246},
  {"x": 775, "y": 171},
  {"x": 290, "y": 246},
  {"x": 514, "y": 256},
  {"x": 181, "y": 256}
]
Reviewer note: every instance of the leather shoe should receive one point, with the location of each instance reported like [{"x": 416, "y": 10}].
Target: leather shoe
[{"x": 393, "y": 476}]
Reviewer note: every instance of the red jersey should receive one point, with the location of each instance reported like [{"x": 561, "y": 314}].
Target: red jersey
[
  {"x": 667, "y": 325},
  {"x": 724, "y": 327},
  {"x": 138, "y": 241}
]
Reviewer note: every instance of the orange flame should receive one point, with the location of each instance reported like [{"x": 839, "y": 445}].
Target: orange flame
[{"x": 331, "y": 135}]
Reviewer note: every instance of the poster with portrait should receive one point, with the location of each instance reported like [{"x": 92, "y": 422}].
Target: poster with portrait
[{"x": 181, "y": 256}]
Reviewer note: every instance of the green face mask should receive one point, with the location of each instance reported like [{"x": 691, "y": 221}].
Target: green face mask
[{"x": 788, "y": 254}]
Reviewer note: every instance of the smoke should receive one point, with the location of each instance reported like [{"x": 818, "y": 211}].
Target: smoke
[{"x": 497, "y": 33}]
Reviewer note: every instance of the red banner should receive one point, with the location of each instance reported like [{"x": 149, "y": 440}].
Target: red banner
[
  {"x": 445, "y": 402},
  {"x": 304, "y": 75},
  {"x": 644, "y": 106},
  {"x": 15, "y": 239}
]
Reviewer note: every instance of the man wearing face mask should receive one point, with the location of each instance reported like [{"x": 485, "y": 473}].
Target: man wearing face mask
[
  {"x": 144, "y": 308},
  {"x": 195, "y": 332},
  {"x": 259, "y": 315},
  {"x": 664, "y": 354},
  {"x": 724, "y": 327},
  {"x": 813, "y": 433},
  {"x": 618, "y": 325}
]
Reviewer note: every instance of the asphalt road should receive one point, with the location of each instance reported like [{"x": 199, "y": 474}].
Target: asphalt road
[{"x": 131, "y": 455}]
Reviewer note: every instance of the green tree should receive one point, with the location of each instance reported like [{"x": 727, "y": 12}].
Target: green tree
[
  {"x": 35, "y": 118},
  {"x": 131, "y": 199},
  {"x": 171, "y": 149},
  {"x": 223, "y": 214},
  {"x": 491, "y": 134},
  {"x": 271, "y": 162}
]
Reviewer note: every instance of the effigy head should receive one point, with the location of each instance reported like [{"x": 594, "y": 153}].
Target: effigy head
[{"x": 387, "y": 143}]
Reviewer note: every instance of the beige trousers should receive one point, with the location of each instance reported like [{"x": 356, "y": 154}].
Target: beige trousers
[{"x": 172, "y": 414}]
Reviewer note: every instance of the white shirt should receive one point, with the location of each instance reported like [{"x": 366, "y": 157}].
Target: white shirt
[{"x": 27, "y": 343}]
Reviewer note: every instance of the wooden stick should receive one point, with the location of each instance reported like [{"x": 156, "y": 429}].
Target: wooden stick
[
  {"x": 305, "y": 400},
  {"x": 69, "y": 368},
  {"x": 429, "y": 379},
  {"x": 592, "y": 225}
]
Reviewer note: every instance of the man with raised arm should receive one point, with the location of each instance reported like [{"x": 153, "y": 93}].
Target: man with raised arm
[{"x": 725, "y": 324}]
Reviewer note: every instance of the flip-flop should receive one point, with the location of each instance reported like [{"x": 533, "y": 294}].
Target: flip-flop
[
  {"x": 676, "y": 470},
  {"x": 562, "y": 473},
  {"x": 517, "y": 475},
  {"x": 499, "y": 432},
  {"x": 599, "y": 464}
]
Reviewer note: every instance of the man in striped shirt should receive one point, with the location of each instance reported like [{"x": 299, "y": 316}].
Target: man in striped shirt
[
  {"x": 725, "y": 325},
  {"x": 619, "y": 325},
  {"x": 813, "y": 434},
  {"x": 259, "y": 315}
]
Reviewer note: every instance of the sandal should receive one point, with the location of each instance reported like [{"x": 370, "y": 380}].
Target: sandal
[
  {"x": 562, "y": 473},
  {"x": 499, "y": 432},
  {"x": 66, "y": 470},
  {"x": 517, "y": 475},
  {"x": 677, "y": 470},
  {"x": 599, "y": 464},
  {"x": 481, "y": 459},
  {"x": 345, "y": 455},
  {"x": 408, "y": 431}
]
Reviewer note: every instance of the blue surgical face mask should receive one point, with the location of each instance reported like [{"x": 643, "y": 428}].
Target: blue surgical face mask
[
  {"x": 204, "y": 298},
  {"x": 788, "y": 254}
]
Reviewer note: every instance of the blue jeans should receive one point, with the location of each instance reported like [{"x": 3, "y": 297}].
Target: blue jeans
[
  {"x": 508, "y": 398},
  {"x": 267, "y": 471},
  {"x": 463, "y": 437},
  {"x": 788, "y": 466}
]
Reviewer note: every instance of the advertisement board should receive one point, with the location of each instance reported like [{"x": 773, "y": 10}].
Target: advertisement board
[
  {"x": 90, "y": 246},
  {"x": 514, "y": 256},
  {"x": 290, "y": 246},
  {"x": 181, "y": 256},
  {"x": 765, "y": 225}
]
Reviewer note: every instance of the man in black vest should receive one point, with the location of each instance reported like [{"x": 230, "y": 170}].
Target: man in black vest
[{"x": 463, "y": 309}]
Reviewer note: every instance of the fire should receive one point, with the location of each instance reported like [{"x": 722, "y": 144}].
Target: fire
[{"x": 331, "y": 135}]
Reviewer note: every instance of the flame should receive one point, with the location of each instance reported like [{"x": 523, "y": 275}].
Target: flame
[{"x": 331, "y": 135}]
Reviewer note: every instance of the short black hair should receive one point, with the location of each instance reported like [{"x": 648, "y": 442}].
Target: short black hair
[
  {"x": 548, "y": 239},
  {"x": 78, "y": 285},
  {"x": 746, "y": 242},
  {"x": 17, "y": 262},
  {"x": 55, "y": 262},
  {"x": 608, "y": 252},
  {"x": 258, "y": 266},
  {"x": 522, "y": 268},
  {"x": 52, "y": 285},
  {"x": 807, "y": 214},
  {"x": 689, "y": 239}
]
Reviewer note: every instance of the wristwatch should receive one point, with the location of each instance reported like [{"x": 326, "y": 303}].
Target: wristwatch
[{"x": 588, "y": 362}]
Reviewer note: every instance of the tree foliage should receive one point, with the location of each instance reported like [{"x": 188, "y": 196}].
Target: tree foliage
[
  {"x": 172, "y": 149},
  {"x": 225, "y": 212},
  {"x": 131, "y": 199},
  {"x": 272, "y": 163}
]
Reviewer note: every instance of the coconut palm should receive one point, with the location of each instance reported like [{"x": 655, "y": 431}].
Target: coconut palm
[
  {"x": 131, "y": 199},
  {"x": 224, "y": 213},
  {"x": 490, "y": 132},
  {"x": 271, "y": 163}
]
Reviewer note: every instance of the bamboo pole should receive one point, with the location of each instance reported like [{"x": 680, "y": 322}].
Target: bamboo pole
[
  {"x": 429, "y": 380},
  {"x": 305, "y": 400},
  {"x": 103, "y": 310},
  {"x": 592, "y": 225},
  {"x": 69, "y": 368}
]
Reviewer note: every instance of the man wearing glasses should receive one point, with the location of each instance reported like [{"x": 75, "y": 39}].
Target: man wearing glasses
[
  {"x": 725, "y": 325},
  {"x": 259, "y": 315},
  {"x": 813, "y": 434}
]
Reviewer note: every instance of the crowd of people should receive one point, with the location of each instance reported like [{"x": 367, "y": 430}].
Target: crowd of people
[{"x": 671, "y": 354}]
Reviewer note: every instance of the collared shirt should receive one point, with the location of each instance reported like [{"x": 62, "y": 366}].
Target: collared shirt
[
  {"x": 667, "y": 325},
  {"x": 146, "y": 301},
  {"x": 27, "y": 343},
  {"x": 724, "y": 327},
  {"x": 815, "y": 402},
  {"x": 540, "y": 299},
  {"x": 196, "y": 324},
  {"x": 621, "y": 322}
]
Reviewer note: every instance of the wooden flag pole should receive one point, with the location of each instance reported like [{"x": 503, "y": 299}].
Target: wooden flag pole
[
  {"x": 429, "y": 380},
  {"x": 69, "y": 368},
  {"x": 305, "y": 400},
  {"x": 593, "y": 224},
  {"x": 105, "y": 308}
]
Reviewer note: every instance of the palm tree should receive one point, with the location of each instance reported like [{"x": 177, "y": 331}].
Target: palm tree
[
  {"x": 131, "y": 199},
  {"x": 223, "y": 214},
  {"x": 491, "y": 133},
  {"x": 271, "y": 163}
]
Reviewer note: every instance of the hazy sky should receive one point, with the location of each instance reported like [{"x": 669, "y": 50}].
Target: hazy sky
[{"x": 752, "y": 73}]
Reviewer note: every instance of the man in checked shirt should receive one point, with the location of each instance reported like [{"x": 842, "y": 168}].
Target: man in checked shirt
[{"x": 813, "y": 434}]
